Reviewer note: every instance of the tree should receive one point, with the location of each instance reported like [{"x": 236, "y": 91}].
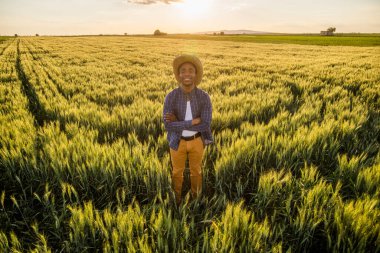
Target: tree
[
  {"x": 37, "y": 34},
  {"x": 158, "y": 32},
  {"x": 221, "y": 33},
  {"x": 16, "y": 35},
  {"x": 331, "y": 29}
]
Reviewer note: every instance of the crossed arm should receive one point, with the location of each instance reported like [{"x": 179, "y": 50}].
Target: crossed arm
[
  {"x": 198, "y": 124},
  {"x": 170, "y": 117}
]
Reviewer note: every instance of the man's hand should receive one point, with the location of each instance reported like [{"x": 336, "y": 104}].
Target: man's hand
[
  {"x": 170, "y": 117},
  {"x": 196, "y": 121}
]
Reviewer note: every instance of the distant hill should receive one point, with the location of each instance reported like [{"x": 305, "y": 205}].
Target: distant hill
[{"x": 234, "y": 32}]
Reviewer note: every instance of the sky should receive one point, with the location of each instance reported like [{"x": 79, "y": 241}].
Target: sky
[{"x": 75, "y": 17}]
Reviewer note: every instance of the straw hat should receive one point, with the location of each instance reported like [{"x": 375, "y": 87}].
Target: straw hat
[{"x": 179, "y": 60}]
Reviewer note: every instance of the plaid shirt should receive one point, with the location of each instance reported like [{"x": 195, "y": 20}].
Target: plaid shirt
[{"x": 175, "y": 102}]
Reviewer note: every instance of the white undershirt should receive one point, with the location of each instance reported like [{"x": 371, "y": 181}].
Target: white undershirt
[{"x": 188, "y": 116}]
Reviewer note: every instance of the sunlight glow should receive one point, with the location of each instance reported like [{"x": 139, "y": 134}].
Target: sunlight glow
[{"x": 194, "y": 8}]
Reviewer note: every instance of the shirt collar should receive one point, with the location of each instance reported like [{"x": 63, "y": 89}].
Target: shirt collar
[{"x": 192, "y": 92}]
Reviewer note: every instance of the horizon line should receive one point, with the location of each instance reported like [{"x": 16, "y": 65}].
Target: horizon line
[{"x": 190, "y": 33}]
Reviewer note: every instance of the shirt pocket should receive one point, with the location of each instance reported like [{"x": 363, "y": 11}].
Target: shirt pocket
[{"x": 198, "y": 109}]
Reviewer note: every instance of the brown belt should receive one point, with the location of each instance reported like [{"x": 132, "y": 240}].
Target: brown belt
[{"x": 190, "y": 138}]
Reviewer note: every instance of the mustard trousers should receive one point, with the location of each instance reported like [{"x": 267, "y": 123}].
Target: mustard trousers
[{"x": 193, "y": 150}]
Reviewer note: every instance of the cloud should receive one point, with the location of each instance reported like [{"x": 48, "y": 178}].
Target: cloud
[{"x": 153, "y": 1}]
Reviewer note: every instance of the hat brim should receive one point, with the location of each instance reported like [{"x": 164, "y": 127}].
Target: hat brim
[{"x": 179, "y": 60}]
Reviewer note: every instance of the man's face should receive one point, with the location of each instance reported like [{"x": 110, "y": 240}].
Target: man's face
[{"x": 187, "y": 74}]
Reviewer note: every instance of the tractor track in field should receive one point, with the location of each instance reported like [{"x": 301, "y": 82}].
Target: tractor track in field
[
  {"x": 34, "y": 104},
  {"x": 48, "y": 74}
]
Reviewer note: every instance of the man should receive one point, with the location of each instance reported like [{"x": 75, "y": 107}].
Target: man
[{"x": 187, "y": 120}]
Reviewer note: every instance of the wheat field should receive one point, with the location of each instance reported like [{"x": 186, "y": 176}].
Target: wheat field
[{"x": 84, "y": 162}]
